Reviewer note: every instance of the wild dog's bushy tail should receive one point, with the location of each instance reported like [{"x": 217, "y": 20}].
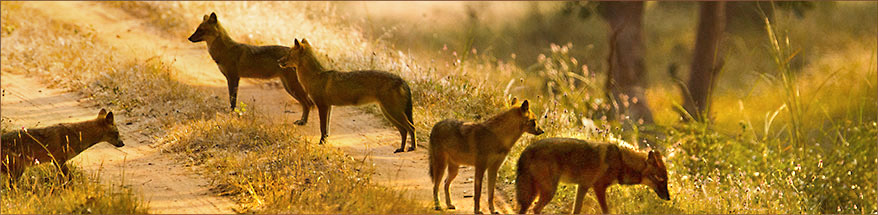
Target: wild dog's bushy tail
[
  {"x": 408, "y": 105},
  {"x": 525, "y": 186},
  {"x": 432, "y": 153}
]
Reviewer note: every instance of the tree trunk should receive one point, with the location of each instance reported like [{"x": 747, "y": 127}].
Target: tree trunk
[
  {"x": 707, "y": 60},
  {"x": 626, "y": 82}
]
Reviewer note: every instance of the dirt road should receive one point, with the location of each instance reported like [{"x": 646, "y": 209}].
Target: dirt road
[{"x": 173, "y": 188}]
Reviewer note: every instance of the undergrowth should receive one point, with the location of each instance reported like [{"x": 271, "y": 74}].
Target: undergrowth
[
  {"x": 73, "y": 57},
  {"x": 271, "y": 169}
]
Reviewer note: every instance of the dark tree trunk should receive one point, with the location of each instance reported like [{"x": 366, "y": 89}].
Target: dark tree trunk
[
  {"x": 707, "y": 60},
  {"x": 626, "y": 82}
]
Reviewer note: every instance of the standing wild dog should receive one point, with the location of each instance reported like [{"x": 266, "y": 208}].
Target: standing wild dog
[
  {"x": 238, "y": 60},
  {"x": 588, "y": 165},
  {"x": 483, "y": 145},
  {"x": 57, "y": 143},
  {"x": 329, "y": 88}
]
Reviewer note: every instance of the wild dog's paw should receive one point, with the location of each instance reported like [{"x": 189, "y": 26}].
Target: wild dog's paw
[
  {"x": 495, "y": 212},
  {"x": 399, "y": 150},
  {"x": 451, "y": 207},
  {"x": 322, "y": 141},
  {"x": 300, "y": 122},
  {"x": 411, "y": 148},
  {"x": 437, "y": 208}
]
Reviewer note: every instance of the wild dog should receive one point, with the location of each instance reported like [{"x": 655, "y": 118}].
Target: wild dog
[
  {"x": 483, "y": 145},
  {"x": 238, "y": 60},
  {"x": 56, "y": 144},
  {"x": 547, "y": 162},
  {"x": 329, "y": 88}
]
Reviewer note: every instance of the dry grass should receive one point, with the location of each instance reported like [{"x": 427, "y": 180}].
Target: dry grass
[
  {"x": 146, "y": 89},
  {"x": 41, "y": 192},
  {"x": 31, "y": 46},
  {"x": 738, "y": 164},
  {"x": 743, "y": 162},
  {"x": 270, "y": 168}
]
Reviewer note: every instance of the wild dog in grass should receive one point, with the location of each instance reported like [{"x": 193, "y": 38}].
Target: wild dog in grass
[
  {"x": 329, "y": 88},
  {"x": 547, "y": 162},
  {"x": 238, "y": 60},
  {"x": 483, "y": 145},
  {"x": 56, "y": 144}
]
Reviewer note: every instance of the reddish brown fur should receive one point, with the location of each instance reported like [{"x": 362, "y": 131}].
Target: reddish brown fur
[
  {"x": 329, "y": 88},
  {"x": 483, "y": 145},
  {"x": 547, "y": 162},
  {"x": 56, "y": 144},
  {"x": 238, "y": 60}
]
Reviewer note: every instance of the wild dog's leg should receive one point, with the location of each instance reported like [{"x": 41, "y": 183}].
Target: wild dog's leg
[
  {"x": 233, "y": 89},
  {"x": 492, "y": 179},
  {"x": 525, "y": 191},
  {"x": 601, "y": 192},
  {"x": 411, "y": 122},
  {"x": 291, "y": 84},
  {"x": 395, "y": 121},
  {"x": 580, "y": 196},
  {"x": 65, "y": 172},
  {"x": 403, "y": 134},
  {"x": 547, "y": 188},
  {"x": 452, "y": 173},
  {"x": 325, "y": 112},
  {"x": 480, "y": 175},
  {"x": 437, "y": 170},
  {"x": 14, "y": 168}
]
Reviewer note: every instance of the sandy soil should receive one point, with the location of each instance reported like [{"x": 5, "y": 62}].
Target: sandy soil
[{"x": 174, "y": 188}]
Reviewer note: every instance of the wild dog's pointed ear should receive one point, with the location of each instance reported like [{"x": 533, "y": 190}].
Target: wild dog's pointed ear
[
  {"x": 512, "y": 102},
  {"x": 296, "y": 44},
  {"x": 654, "y": 157},
  {"x": 109, "y": 118},
  {"x": 204, "y": 18},
  {"x": 212, "y": 18},
  {"x": 102, "y": 113},
  {"x": 525, "y": 107},
  {"x": 305, "y": 43}
]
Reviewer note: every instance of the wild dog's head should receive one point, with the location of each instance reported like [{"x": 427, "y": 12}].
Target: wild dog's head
[
  {"x": 655, "y": 175},
  {"x": 299, "y": 51},
  {"x": 207, "y": 30},
  {"x": 528, "y": 119},
  {"x": 111, "y": 133}
]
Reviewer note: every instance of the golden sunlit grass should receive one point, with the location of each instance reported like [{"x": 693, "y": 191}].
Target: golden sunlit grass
[
  {"x": 73, "y": 57},
  {"x": 57, "y": 60},
  {"x": 744, "y": 162},
  {"x": 41, "y": 192},
  {"x": 269, "y": 168}
]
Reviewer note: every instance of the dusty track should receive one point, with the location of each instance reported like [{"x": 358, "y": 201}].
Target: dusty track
[{"x": 173, "y": 188}]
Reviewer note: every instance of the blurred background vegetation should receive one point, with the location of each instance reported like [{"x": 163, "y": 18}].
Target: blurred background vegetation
[
  {"x": 792, "y": 107},
  {"x": 791, "y": 126}
]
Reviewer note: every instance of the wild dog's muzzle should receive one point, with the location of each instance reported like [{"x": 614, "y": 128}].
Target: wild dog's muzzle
[
  {"x": 119, "y": 144},
  {"x": 196, "y": 37}
]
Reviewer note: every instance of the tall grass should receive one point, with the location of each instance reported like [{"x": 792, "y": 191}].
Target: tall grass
[{"x": 814, "y": 155}]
